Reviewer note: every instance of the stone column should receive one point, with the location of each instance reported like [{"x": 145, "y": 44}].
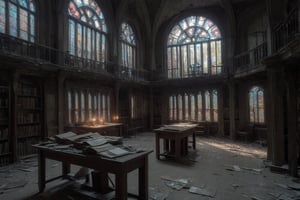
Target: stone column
[
  {"x": 60, "y": 101},
  {"x": 292, "y": 122},
  {"x": 276, "y": 116},
  {"x": 232, "y": 109},
  {"x": 221, "y": 112}
]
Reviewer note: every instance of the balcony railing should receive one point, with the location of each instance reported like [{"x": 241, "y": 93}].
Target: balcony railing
[
  {"x": 286, "y": 31},
  {"x": 40, "y": 54},
  {"x": 251, "y": 59},
  {"x": 128, "y": 73}
]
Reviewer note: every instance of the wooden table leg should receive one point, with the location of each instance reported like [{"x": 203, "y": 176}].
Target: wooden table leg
[
  {"x": 157, "y": 147},
  {"x": 194, "y": 140},
  {"x": 42, "y": 171},
  {"x": 121, "y": 186},
  {"x": 100, "y": 182},
  {"x": 166, "y": 145},
  {"x": 143, "y": 180},
  {"x": 65, "y": 169},
  {"x": 177, "y": 148}
]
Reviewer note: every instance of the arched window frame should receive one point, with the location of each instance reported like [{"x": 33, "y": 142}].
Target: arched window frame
[
  {"x": 87, "y": 21},
  {"x": 196, "y": 54},
  {"x": 17, "y": 18},
  {"x": 128, "y": 46},
  {"x": 256, "y": 105}
]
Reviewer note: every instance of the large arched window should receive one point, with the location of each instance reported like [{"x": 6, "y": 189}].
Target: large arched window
[
  {"x": 127, "y": 47},
  {"x": 256, "y": 105},
  {"x": 17, "y": 18},
  {"x": 87, "y": 30},
  {"x": 194, "y": 48}
]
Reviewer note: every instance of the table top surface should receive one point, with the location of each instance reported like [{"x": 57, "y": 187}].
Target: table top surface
[
  {"x": 72, "y": 151},
  {"x": 178, "y": 127},
  {"x": 98, "y": 125}
]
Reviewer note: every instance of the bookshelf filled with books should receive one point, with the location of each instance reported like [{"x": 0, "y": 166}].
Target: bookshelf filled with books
[
  {"x": 5, "y": 137},
  {"x": 29, "y": 116}
]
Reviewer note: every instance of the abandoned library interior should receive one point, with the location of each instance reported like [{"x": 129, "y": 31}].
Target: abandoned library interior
[{"x": 149, "y": 99}]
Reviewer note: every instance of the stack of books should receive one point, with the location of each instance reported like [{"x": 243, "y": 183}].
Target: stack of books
[{"x": 94, "y": 144}]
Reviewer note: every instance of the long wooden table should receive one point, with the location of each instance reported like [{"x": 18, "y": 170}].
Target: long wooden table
[
  {"x": 111, "y": 129},
  {"x": 178, "y": 133},
  {"x": 119, "y": 166}
]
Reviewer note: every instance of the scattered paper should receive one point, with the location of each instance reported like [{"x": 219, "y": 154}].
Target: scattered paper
[{"x": 202, "y": 191}]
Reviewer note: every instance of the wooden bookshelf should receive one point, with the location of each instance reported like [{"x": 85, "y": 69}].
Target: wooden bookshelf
[
  {"x": 5, "y": 136},
  {"x": 29, "y": 116}
]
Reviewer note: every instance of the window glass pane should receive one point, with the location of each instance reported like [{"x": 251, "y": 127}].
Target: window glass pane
[
  {"x": 213, "y": 57},
  {"x": 104, "y": 105},
  {"x": 180, "y": 106},
  {"x": 199, "y": 101},
  {"x": 251, "y": 108},
  {"x": 2, "y": 16},
  {"x": 90, "y": 106},
  {"x": 69, "y": 107},
  {"x": 23, "y": 3},
  {"x": 108, "y": 108},
  {"x": 13, "y": 20},
  {"x": 186, "y": 107},
  {"x": 184, "y": 60},
  {"x": 193, "y": 111},
  {"x": 23, "y": 17},
  {"x": 261, "y": 114},
  {"x": 171, "y": 108},
  {"x": 205, "y": 57},
  {"x": 207, "y": 106},
  {"x": 72, "y": 37},
  {"x": 219, "y": 57},
  {"x": 32, "y": 25},
  {"x": 215, "y": 105},
  {"x": 76, "y": 108},
  {"x": 82, "y": 107}
]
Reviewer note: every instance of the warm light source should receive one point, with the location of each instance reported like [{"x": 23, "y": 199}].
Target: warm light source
[
  {"x": 101, "y": 121},
  {"x": 94, "y": 121}
]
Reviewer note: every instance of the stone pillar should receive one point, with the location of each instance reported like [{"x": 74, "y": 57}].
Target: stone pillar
[
  {"x": 116, "y": 94},
  {"x": 60, "y": 101},
  {"x": 232, "y": 108},
  {"x": 221, "y": 112},
  {"x": 292, "y": 122},
  {"x": 151, "y": 109},
  {"x": 276, "y": 116}
]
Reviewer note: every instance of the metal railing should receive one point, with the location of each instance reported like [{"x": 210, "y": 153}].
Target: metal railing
[
  {"x": 41, "y": 54},
  {"x": 251, "y": 59},
  {"x": 128, "y": 73},
  {"x": 285, "y": 31}
]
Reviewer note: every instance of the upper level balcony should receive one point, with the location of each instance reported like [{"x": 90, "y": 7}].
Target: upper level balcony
[
  {"x": 46, "y": 56},
  {"x": 286, "y": 31},
  {"x": 250, "y": 61}
]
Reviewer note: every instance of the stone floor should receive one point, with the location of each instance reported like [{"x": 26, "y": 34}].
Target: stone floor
[{"x": 227, "y": 169}]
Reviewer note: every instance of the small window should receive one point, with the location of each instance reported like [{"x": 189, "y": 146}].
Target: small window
[{"x": 256, "y": 105}]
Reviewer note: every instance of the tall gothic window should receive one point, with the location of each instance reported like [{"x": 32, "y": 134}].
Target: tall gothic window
[
  {"x": 194, "y": 106},
  {"x": 87, "y": 30},
  {"x": 17, "y": 18},
  {"x": 127, "y": 47},
  {"x": 256, "y": 105},
  {"x": 194, "y": 48}
]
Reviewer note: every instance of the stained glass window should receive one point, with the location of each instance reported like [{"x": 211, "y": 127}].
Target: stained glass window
[
  {"x": 85, "y": 105},
  {"x": 127, "y": 48},
  {"x": 194, "y": 48},
  {"x": 20, "y": 18},
  {"x": 256, "y": 105},
  {"x": 87, "y": 30},
  {"x": 199, "y": 105}
]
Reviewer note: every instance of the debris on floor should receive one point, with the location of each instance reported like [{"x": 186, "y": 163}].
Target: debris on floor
[
  {"x": 235, "y": 168},
  {"x": 202, "y": 191},
  {"x": 157, "y": 193},
  {"x": 176, "y": 184},
  {"x": 235, "y": 186}
]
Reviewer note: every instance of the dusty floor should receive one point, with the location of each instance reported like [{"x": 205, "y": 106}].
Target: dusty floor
[{"x": 209, "y": 170}]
